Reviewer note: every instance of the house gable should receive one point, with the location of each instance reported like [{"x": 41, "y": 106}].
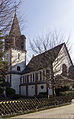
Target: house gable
[{"x": 63, "y": 58}]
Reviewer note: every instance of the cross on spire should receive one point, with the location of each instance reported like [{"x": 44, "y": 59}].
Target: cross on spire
[{"x": 15, "y": 6}]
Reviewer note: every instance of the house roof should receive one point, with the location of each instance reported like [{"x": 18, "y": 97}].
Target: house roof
[{"x": 43, "y": 60}]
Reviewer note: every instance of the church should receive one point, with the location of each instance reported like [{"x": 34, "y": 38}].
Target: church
[{"x": 35, "y": 77}]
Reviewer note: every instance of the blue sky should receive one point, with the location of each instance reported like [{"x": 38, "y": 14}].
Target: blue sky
[{"x": 42, "y": 16}]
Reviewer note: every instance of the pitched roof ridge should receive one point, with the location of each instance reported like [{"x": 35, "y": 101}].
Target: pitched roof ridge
[
  {"x": 44, "y": 52},
  {"x": 49, "y": 50}
]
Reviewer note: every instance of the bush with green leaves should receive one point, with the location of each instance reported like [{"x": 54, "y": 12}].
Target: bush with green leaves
[
  {"x": 1, "y": 90},
  {"x": 68, "y": 93},
  {"x": 10, "y": 92},
  {"x": 61, "y": 89}
]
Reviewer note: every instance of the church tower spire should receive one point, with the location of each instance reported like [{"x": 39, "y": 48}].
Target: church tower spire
[
  {"x": 15, "y": 29},
  {"x": 15, "y": 39}
]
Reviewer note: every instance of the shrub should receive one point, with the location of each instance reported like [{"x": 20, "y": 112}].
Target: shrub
[
  {"x": 42, "y": 94},
  {"x": 16, "y": 96},
  {"x": 62, "y": 89},
  {"x": 1, "y": 90},
  {"x": 68, "y": 93},
  {"x": 10, "y": 92}
]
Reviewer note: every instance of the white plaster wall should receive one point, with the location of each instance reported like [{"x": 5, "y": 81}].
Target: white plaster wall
[
  {"x": 23, "y": 90},
  {"x": 18, "y": 62},
  {"x": 39, "y": 88},
  {"x": 31, "y": 90},
  {"x": 62, "y": 58},
  {"x": 15, "y": 82},
  {"x": 7, "y": 57}
]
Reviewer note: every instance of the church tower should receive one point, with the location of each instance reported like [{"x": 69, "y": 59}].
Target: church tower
[{"x": 15, "y": 55}]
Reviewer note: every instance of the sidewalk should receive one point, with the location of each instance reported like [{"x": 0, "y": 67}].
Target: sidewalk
[{"x": 59, "y": 112}]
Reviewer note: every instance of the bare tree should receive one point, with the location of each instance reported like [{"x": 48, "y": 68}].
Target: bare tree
[
  {"x": 43, "y": 45},
  {"x": 7, "y": 8}
]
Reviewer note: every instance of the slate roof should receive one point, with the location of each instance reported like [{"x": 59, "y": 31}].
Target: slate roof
[
  {"x": 15, "y": 29},
  {"x": 43, "y": 60}
]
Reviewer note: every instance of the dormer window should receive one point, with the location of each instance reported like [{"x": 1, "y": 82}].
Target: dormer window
[{"x": 18, "y": 68}]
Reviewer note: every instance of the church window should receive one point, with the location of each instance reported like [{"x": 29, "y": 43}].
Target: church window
[
  {"x": 36, "y": 76},
  {"x": 18, "y": 68},
  {"x": 27, "y": 79},
  {"x": 42, "y": 87},
  {"x": 30, "y": 78},
  {"x": 23, "y": 79},
  {"x": 64, "y": 70},
  {"x": 33, "y": 77},
  {"x": 44, "y": 75},
  {"x": 39, "y": 76},
  {"x": 48, "y": 74},
  {"x": 18, "y": 55}
]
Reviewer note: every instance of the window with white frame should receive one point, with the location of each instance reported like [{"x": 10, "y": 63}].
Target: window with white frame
[
  {"x": 21, "y": 80},
  {"x": 38, "y": 76},
  {"x": 44, "y": 75},
  {"x": 18, "y": 55},
  {"x": 48, "y": 74},
  {"x": 25, "y": 79},
  {"x": 30, "y": 77},
  {"x": 33, "y": 77}
]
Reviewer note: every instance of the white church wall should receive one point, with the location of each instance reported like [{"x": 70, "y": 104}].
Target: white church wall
[
  {"x": 62, "y": 58},
  {"x": 31, "y": 90},
  {"x": 39, "y": 89},
  {"x": 23, "y": 90},
  {"x": 15, "y": 82},
  {"x": 7, "y": 58},
  {"x": 18, "y": 59}
]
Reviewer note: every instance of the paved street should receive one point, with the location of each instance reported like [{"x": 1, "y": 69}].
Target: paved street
[{"x": 59, "y": 112}]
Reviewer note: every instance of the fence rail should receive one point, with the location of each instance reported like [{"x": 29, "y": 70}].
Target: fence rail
[{"x": 27, "y": 105}]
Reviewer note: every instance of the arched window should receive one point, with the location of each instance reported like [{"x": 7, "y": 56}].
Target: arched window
[
  {"x": 64, "y": 70},
  {"x": 18, "y": 68},
  {"x": 18, "y": 55}
]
